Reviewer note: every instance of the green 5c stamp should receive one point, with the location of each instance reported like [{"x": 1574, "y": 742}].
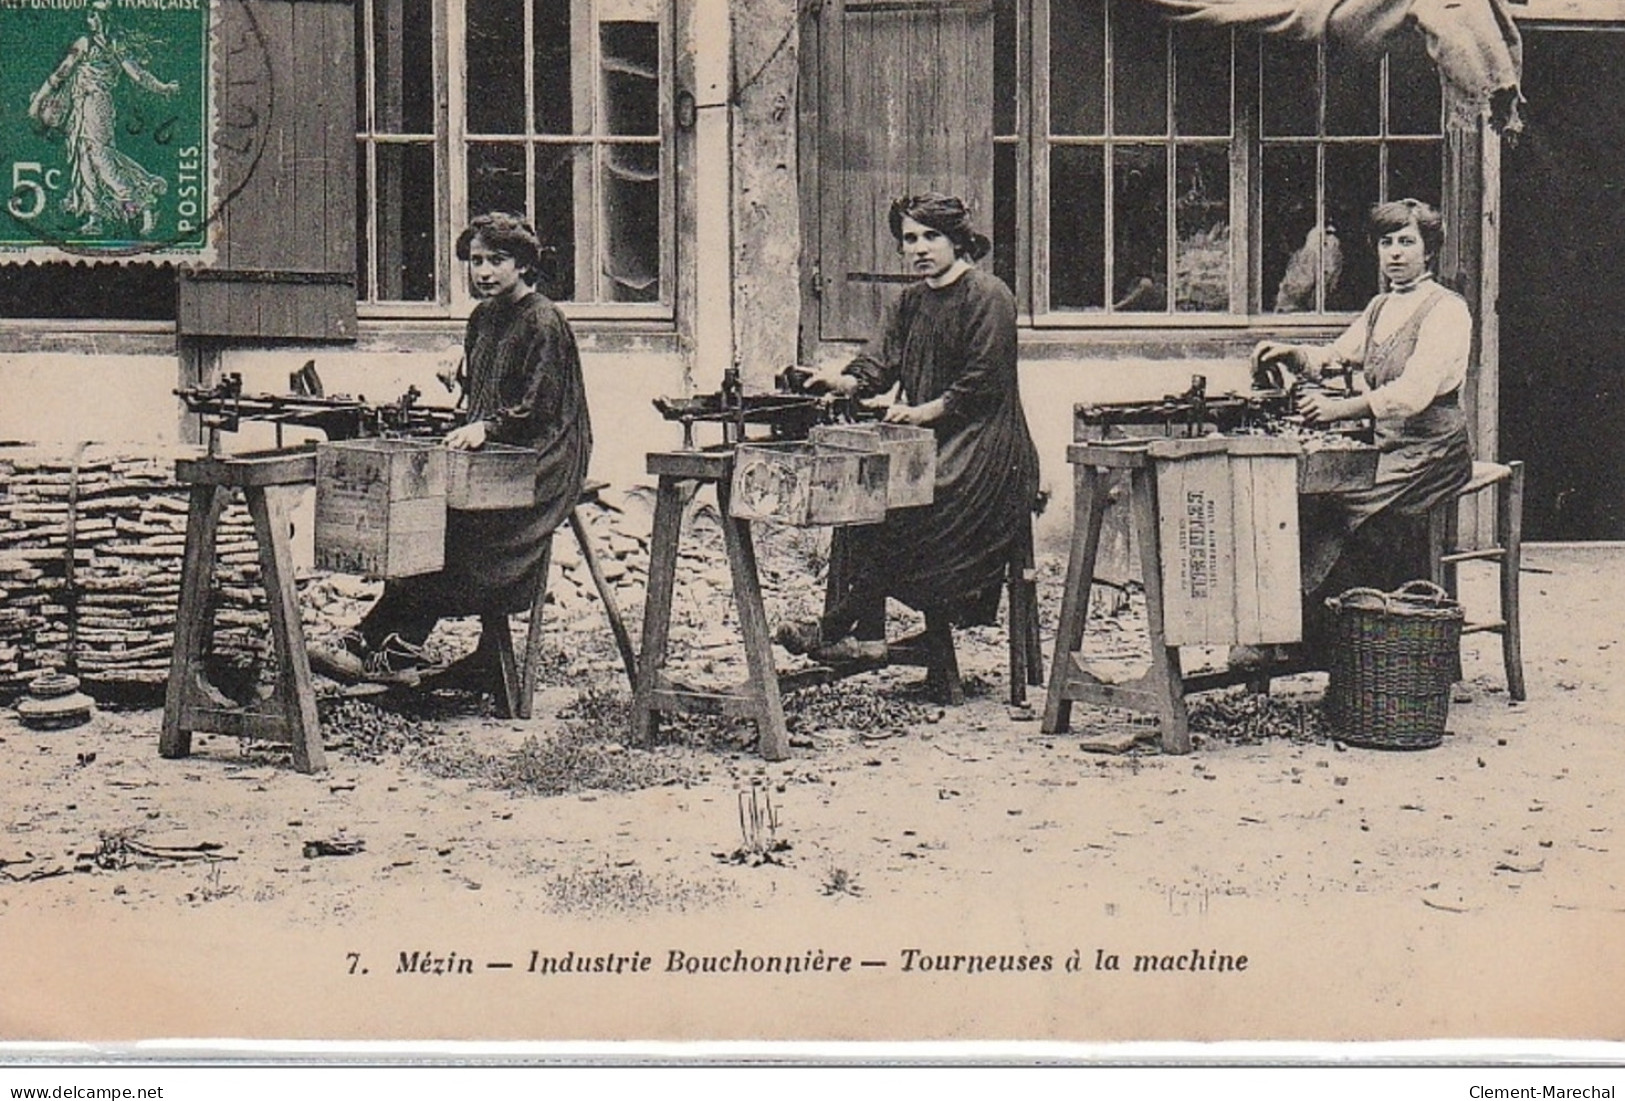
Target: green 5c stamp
[{"x": 105, "y": 130}]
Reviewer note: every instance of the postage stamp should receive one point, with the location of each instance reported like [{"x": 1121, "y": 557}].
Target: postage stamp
[{"x": 105, "y": 118}]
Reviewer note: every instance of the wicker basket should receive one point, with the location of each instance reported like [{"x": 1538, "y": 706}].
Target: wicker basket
[{"x": 1394, "y": 657}]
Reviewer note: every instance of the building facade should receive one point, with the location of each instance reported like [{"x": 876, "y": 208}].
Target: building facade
[{"x": 710, "y": 180}]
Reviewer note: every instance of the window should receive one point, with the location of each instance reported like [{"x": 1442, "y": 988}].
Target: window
[
  {"x": 1168, "y": 172},
  {"x": 553, "y": 108},
  {"x": 399, "y": 249},
  {"x": 1370, "y": 133}
]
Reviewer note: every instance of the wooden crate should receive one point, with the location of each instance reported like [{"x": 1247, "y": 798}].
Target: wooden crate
[
  {"x": 495, "y": 476},
  {"x": 381, "y": 507},
  {"x": 913, "y": 452},
  {"x": 1337, "y": 469},
  {"x": 1227, "y": 516},
  {"x": 809, "y": 484}
]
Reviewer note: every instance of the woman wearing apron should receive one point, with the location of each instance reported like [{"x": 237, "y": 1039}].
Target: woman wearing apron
[{"x": 1413, "y": 344}]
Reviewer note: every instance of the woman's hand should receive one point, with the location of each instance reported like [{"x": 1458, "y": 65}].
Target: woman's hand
[
  {"x": 1318, "y": 407},
  {"x": 1267, "y": 354},
  {"x": 832, "y": 379},
  {"x": 898, "y": 413},
  {"x": 470, "y": 437}
]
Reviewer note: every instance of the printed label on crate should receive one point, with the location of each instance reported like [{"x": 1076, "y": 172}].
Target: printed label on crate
[{"x": 1199, "y": 560}]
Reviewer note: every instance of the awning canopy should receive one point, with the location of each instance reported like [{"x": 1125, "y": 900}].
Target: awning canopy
[{"x": 1474, "y": 42}]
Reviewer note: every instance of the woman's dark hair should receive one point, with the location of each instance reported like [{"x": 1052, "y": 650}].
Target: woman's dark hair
[
  {"x": 943, "y": 213},
  {"x": 1388, "y": 217},
  {"x": 508, "y": 234}
]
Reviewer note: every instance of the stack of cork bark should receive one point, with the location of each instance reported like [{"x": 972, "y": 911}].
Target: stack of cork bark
[{"x": 91, "y": 543}]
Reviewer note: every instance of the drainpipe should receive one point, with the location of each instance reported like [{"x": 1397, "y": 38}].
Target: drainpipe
[{"x": 713, "y": 184}]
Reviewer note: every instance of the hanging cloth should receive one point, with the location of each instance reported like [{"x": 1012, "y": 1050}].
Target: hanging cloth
[{"x": 1475, "y": 43}]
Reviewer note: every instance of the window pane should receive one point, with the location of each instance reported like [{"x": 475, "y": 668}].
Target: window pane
[
  {"x": 1290, "y": 270},
  {"x": 1353, "y": 92},
  {"x": 555, "y": 90},
  {"x": 363, "y": 267},
  {"x": 631, "y": 62},
  {"x": 1202, "y": 221},
  {"x": 496, "y": 178},
  {"x": 1414, "y": 96},
  {"x": 1140, "y": 251},
  {"x": 1201, "y": 81},
  {"x": 404, "y": 213},
  {"x": 136, "y": 292},
  {"x": 631, "y": 226},
  {"x": 1139, "y": 69},
  {"x": 556, "y": 217},
  {"x": 1004, "y": 213},
  {"x": 496, "y": 66},
  {"x": 1077, "y": 64},
  {"x": 1415, "y": 171},
  {"x": 1077, "y": 204},
  {"x": 1004, "y": 67},
  {"x": 1351, "y": 191},
  {"x": 1290, "y": 79},
  {"x": 403, "y": 67}
]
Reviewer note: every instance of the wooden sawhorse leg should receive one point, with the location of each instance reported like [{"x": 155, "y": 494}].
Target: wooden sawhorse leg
[
  {"x": 774, "y": 738},
  {"x": 190, "y": 702},
  {"x": 759, "y": 698},
  {"x": 1162, "y": 690},
  {"x": 1090, "y": 492},
  {"x": 194, "y": 621},
  {"x": 1026, "y": 650},
  {"x": 617, "y": 625},
  {"x": 516, "y": 699},
  {"x": 668, "y": 524},
  {"x": 1164, "y": 680},
  {"x": 515, "y": 681}
]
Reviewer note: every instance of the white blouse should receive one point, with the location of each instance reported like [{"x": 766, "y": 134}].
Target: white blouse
[{"x": 1437, "y": 365}]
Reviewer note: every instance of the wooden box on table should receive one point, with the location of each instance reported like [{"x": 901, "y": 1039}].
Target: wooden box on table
[
  {"x": 912, "y": 477},
  {"x": 495, "y": 476},
  {"x": 381, "y": 507},
  {"x": 1227, "y": 520},
  {"x": 1336, "y": 465},
  {"x": 808, "y": 484}
]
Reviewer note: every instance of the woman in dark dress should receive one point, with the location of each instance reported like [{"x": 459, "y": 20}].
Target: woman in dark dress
[
  {"x": 522, "y": 382},
  {"x": 950, "y": 341}
]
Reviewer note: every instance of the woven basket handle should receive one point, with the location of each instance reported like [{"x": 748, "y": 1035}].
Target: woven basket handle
[
  {"x": 1426, "y": 589},
  {"x": 1361, "y": 597}
]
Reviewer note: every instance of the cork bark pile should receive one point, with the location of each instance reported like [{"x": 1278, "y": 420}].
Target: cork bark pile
[{"x": 90, "y": 565}]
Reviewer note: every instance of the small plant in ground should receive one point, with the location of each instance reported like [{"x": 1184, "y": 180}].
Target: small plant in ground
[
  {"x": 759, "y": 827},
  {"x": 211, "y": 889},
  {"x": 839, "y": 881}
]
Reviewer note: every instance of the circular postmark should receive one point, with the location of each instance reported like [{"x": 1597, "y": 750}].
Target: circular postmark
[{"x": 131, "y": 127}]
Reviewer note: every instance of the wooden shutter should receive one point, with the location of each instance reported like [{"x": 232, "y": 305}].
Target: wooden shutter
[
  {"x": 907, "y": 107},
  {"x": 285, "y": 149}
]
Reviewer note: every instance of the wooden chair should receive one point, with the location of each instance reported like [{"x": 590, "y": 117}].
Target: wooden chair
[
  {"x": 1445, "y": 552},
  {"x": 933, "y": 649},
  {"x": 514, "y": 681}
]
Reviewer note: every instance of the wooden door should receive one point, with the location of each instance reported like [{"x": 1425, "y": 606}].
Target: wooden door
[
  {"x": 1562, "y": 285},
  {"x": 906, "y": 107}
]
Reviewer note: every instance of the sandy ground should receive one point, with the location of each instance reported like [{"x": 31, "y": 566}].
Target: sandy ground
[{"x": 1470, "y": 890}]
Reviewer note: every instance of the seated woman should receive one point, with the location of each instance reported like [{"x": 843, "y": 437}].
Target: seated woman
[
  {"x": 950, "y": 341},
  {"x": 522, "y": 383},
  {"x": 1413, "y": 344}
]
